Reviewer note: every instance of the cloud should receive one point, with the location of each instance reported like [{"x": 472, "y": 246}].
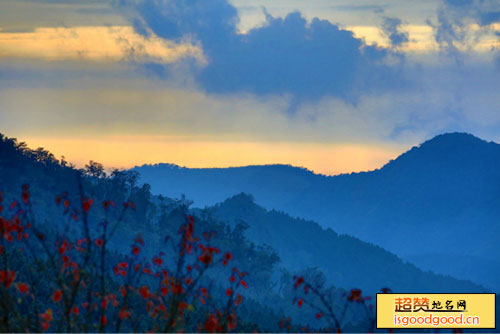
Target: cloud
[
  {"x": 285, "y": 56},
  {"x": 80, "y": 100},
  {"x": 123, "y": 101},
  {"x": 343, "y": 89},
  {"x": 462, "y": 24},
  {"x": 94, "y": 44},
  {"x": 391, "y": 27},
  {"x": 354, "y": 8},
  {"x": 27, "y": 15}
]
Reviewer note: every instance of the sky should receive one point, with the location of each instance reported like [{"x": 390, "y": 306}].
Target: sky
[{"x": 335, "y": 86}]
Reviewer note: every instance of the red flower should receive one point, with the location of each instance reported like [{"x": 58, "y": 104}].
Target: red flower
[
  {"x": 23, "y": 288},
  {"x": 76, "y": 310},
  {"x": 124, "y": 314},
  {"x": 104, "y": 320},
  {"x": 139, "y": 240},
  {"x": 213, "y": 250},
  {"x": 189, "y": 280},
  {"x": 81, "y": 241},
  {"x": 123, "y": 265},
  {"x": 99, "y": 242},
  {"x": 177, "y": 288},
  {"x": 104, "y": 304},
  {"x": 66, "y": 203},
  {"x": 318, "y": 315},
  {"x": 229, "y": 292},
  {"x": 206, "y": 258},
  {"x": 135, "y": 250},
  {"x": 129, "y": 204},
  {"x": 232, "y": 279},
  {"x": 300, "y": 302},
  {"x": 163, "y": 308},
  {"x": 26, "y": 196},
  {"x": 144, "y": 292},
  {"x": 298, "y": 282},
  {"x": 45, "y": 326},
  {"x": 56, "y": 297},
  {"x": 7, "y": 277},
  {"x": 212, "y": 324},
  {"x": 87, "y": 204},
  {"x": 123, "y": 291},
  {"x": 231, "y": 322},
  {"x": 244, "y": 284},
  {"x": 238, "y": 300},
  {"x": 183, "y": 306},
  {"x": 107, "y": 204},
  {"x": 47, "y": 315},
  {"x": 355, "y": 296},
  {"x": 157, "y": 260},
  {"x": 228, "y": 256}
]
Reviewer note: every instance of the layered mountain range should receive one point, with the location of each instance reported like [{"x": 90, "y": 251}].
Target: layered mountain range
[{"x": 437, "y": 205}]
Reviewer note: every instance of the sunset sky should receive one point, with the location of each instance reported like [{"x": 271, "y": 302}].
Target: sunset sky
[{"x": 332, "y": 85}]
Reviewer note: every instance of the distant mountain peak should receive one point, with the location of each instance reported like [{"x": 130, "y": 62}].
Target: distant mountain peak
[
  {"x": 449, "y": 150},
  {"x": 453, "y": 139},
  {"x": 243, "y": 201}
]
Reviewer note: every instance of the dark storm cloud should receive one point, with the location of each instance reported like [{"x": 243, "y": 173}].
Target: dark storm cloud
[{"x": 285, "y": 56}]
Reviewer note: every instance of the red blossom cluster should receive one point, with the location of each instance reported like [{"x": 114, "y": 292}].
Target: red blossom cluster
[
  {"x": 75, "y": 279},
  {"x": 7, "y": 277}
]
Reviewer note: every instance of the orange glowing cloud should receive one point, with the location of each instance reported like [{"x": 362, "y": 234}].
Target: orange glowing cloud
[
  {"x": 99, "y": 43},
  {"x": 421, "y": 38}
]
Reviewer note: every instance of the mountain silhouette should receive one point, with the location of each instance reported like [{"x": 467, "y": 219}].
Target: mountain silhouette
[
  {"x": 270, "y": 245},
  {"x": 346, "y": 261},
  {"x": 300, "y": 244},
  {"x": 441, "y": 197}
]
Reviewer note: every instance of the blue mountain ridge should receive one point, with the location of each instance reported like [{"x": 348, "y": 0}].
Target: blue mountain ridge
[{"x": 440, "y": 198}]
